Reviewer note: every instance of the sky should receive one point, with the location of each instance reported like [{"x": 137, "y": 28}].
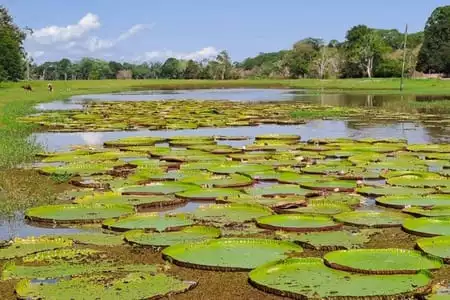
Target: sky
[{"x": 153, "y": 30}]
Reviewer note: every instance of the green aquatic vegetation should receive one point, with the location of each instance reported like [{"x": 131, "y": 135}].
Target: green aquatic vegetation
[
  {"x": 157, "y": 188},
  {"x": 298, "y": 223},
  {"x": 135, "y": 141},
  {"x": 233, "y": 180},
  {"x": 403, "y": 201},
  {"x": 381, "y": 261},
  {"x": 330, "y": 185},
  {"x": 208, "y": 194},
  {"x": 439, "y": 148},
  {"x": 23, "y": 247},
  {"x": 428, "y": 226},
  {"x": 164, "y": 239},
  {"x": 77, "y": 213},
  {"x": 436, "y": 246},
  {"x": 133, "y": 286},
  {"x": 297, "y": 178},
  {"x": 344, "y": 198},
  {"x": 377, "y": 191},
  {"x": 309, "y": 278},
  {"x": 81, "y": 169},
  {"x": 139, "y": 202},
  {"x": 330, "y": 240},
  {"x": 62, "y": 254},
  {"x": 229, "y": 254},
  {"x": 95, "y": 238},
  {"x": 270, "y": 175},
  {"x": 231, "y": 168},
  {"x": 278, "y": 137},
  {"x": 279, "y": 190},
  {"x": 318, "y": 207},
  {"x": 374, "y": 219},
  {"x": 229, "y": 214},
  {"x": 436, "y": 211},
  {"x": 149, "y": 221}
]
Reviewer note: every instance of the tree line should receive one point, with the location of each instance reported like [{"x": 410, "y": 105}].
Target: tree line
[{"x": 365, "y": 52}]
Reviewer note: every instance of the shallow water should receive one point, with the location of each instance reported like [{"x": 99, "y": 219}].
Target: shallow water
[{"x": 249, "y": 95}]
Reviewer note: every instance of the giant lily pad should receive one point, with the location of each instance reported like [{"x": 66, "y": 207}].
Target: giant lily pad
[
  {"x": 296, "y": 178},
  {"x": 230, "y": 213},
  {"x": 299, "y": 223},
  {"x": 428, "y": 226},
  {"x": 234, "y": 180},
  {"x": 330, "y": 240},
  {"x": 376, "y": 219},
  {"x": 411, "y": 181},
  {"x": 344, "y": 198},
  {"x": 380, "y": 261},
  {"x": 437, "y": 211},
  {"x": 164, "y": 239},
  {"x": 150, "y": 221},
  {"x": 318, "y": 207},
  {"x": 280, "y": 190},
  {"x": 21, "y": 247},
  {"x": 95, "y": 238},
  {"x": 309, "y": 278},
  {"x": 157, "y": 188},
  {"x": 231, "y": 168},
  {"x": 414, "y": 200},
  {"x": 330, "y": 185},
  {"x": 207, "y": 194},
  {"x": 77, "y": 213},
  {"x": 81, "y": 169},
  {"x": 278, "y": 137},
  {"x": 429, "y": 148},
  {"x": 130, "y": 286},
  {"x": 230, "y": 254},
  {"x": 140, "y": 202},
  {"x": 134, "y": 141},
  {"x": 392, "y": 191},
  {"x": 437, "y": 246}
]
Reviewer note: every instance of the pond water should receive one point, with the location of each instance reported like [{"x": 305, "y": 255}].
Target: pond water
[
  {"x": 249, "y": 95},
  {"x": 414, "y": 132}
]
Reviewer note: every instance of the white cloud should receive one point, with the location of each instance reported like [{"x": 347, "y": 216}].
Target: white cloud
[
  {"x": 207, "y": 52},
  {"x": 53, "y": 34},
  {"x": 37, "y": 54}
]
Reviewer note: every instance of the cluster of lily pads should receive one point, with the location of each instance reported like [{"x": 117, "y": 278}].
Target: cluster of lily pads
[
  {"x": 264, "y": 204},
  {"x": 154, "y": 115}
]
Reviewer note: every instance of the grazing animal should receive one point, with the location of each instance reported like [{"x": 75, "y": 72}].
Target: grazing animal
[
  {"x": 27, "y": 87},
  {"x": 50, "y": 87}
]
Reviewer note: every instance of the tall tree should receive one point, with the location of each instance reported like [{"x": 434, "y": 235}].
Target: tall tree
[
  {"x": 192, "y": 70},
  {"x": 12, "y": 54},
  {"x": 434, "y": 56},
  {"x": 224, "y": 60},
  {"x": 64, "y": 67}
]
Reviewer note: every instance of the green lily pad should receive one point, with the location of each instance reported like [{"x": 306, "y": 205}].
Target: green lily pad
[
  {"x": 269, "y": 175},
  {"x": 134, "y": 141},
  {"x": 309, "y": 278},
  {"x": 437, "y": 211},
  {"x": 207, "y": 194},
  {"x": 330, "y": 240},
  {"x": 77, "y": 213},
  {"x": 95, "y": 238},
  {"x": 133, "y": 286},
  {"x": 330, "y": 185},
  {"x": 81, "y": 169},
  {"x": 428, "y": 226},
  {"x": 344, "y": 198},
  {"x": 229, "y": 254},
  {"x": 298, "y": 223},
  {"x": 157, "y": 188},
  {"x": 164, "y": 239},
  {"x": 375, "y": 219},
  {"x": 233, "y": 180},
  {"x": 297, "y": 178},
  {"x": 278, "y": 137},
  {"x": 429, "y": 148},
  {"x": 22, "y": 247},
  {"x": 417, "y": 182},
  {"x": 149, "y": 221},
  {"x": 437, "y": 246},
  {"x": 231, "y": 168},
  {"x": 139, "y": 202},
  {"x": 378, "y": 191},
  {"x": 325, "y": 207},
  {"x": 413, "y": 200},
  {"x": 381, "y": 261},
  {"x": 280, "y": 190},
  {"x": 224, "y": 214},
  {"x": 271, "y": 202},
  {"x": 61, "y": 254},
  {"x": 60, "y": 269}
]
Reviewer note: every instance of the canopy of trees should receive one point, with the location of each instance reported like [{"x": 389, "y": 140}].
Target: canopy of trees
[
  {"x": 434, "y": 56},
  {"x": 11, "y": 51}
]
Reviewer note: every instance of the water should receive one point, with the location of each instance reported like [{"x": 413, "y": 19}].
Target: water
[{"x": 249, "y": 95}]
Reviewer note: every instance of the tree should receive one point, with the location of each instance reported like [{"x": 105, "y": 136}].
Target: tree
[
  {"x": 12, "y": 54},
  {"x": 115, "y": 67},
  {"x": 299, "y": 59},
  {"x": 64, "y": 67},
  {"x": 434, "y": 56},
  {"x": 364, "y": 46},
  {"x": 224, "y": 61},
  {"x": 327, "y": 62},
  {"x": 172, "y": 68},
  {"x": 192, "y": 70}
]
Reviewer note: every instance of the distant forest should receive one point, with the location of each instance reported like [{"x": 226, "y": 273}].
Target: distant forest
[{"x": 365, "y": 52}]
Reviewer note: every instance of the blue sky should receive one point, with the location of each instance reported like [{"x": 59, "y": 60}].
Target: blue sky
[{"x": 142, "y": 30}]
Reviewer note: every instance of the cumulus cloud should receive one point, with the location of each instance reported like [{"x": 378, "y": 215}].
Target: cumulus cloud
[
  {"x": 53, "y": 34},
  {"x": 203, "y": 53}
]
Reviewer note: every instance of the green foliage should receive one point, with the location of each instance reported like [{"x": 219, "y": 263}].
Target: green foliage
[{"x": 435, "y": 52}]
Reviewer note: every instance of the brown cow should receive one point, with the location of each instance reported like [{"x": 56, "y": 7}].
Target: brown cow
[{"x": 27, "y": 87}]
